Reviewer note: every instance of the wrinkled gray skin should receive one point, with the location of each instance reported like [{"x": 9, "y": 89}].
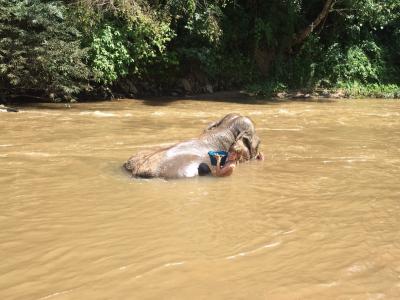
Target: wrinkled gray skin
[{"x": 182, "y": 160}]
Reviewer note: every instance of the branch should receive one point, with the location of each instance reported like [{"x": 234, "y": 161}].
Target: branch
[{"x": 300, "y": 37}]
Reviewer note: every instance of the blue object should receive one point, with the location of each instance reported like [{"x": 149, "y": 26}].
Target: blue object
[{"x": 223, "y": 154}]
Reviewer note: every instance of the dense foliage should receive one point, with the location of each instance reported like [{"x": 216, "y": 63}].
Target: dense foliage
[
  {"x": 63, "y": 49},
  {"x": 40, "y": 49}
]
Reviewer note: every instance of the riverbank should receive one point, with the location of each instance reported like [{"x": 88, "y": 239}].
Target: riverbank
[
  {"x": 253, "y": 92},
  {"x": 344, "y": 90}
]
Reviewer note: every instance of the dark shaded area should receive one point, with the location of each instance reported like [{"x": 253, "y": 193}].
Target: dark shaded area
[{"x": 231, "y": 97}]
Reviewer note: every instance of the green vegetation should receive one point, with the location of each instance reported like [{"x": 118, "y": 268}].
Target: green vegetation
[
  {"x": 79, "y": 48},
  {"x": 40, "y": 50},
  {"x": 373, "y": 90}
]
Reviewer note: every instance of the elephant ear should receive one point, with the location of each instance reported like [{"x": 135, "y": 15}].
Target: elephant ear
[
  {"x": 240, "y": 136},
  {"x": 255, "y": 144},
  {"x": 250, "y": 142},
  {"x": 246, "y": 139},
  {"x": 244, "y": 135},
  {"x": 247, "y": 142}
]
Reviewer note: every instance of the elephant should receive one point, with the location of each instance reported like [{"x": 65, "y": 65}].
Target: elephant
[{"x": 182, "y": 159}]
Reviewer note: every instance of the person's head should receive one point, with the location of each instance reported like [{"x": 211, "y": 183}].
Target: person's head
[
  {"x": 204, "y": 169},
  {"x": 235, "y": 153}
]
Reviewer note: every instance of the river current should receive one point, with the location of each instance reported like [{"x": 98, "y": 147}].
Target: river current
[{"x": 317, "y": 219}]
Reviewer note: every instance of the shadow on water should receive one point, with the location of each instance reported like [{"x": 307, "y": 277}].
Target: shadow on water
[
  {"x": 230, "y": 97},
  {"x": 237, "y": 97}
]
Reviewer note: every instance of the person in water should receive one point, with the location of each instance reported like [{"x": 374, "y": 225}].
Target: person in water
[{"x": 234, "y": 155}]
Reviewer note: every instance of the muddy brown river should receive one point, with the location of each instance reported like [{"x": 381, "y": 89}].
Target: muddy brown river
[{"x": 318, "y": 219}]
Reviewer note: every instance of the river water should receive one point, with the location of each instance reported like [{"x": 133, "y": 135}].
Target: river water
[{"x": 318, "y": 219}]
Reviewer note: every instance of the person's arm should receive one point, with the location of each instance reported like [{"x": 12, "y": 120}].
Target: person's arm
[{"x": 226, "y": 170}]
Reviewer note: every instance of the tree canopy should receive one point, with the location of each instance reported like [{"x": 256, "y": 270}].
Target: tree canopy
[{"x": 64, "y": 49}]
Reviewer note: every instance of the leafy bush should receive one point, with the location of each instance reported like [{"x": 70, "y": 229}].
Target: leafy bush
[
  {"x": 374, "y": 90},
  {"x": 358, "y": 66},
  {"x": 268, "y": 88},
  {"x": 109, "y": 54},
  {"x": 126, "y": 42}
]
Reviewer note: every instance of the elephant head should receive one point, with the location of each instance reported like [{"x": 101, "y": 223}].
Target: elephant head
[{"x": 244, "y": 131}]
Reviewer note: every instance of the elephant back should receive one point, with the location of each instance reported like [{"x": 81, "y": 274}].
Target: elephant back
[{"x": 145, "y": 164}]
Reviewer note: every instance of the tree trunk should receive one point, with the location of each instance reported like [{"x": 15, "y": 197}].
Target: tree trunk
[
  {"x": 301, "y": 36},
  {"x": 263, "y": 58}
]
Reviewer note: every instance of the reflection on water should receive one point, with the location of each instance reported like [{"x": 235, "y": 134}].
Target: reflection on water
[{"x": 318, "y": 219}]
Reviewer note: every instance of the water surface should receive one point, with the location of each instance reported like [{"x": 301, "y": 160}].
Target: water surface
[{"x": 318, "y": 219}]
